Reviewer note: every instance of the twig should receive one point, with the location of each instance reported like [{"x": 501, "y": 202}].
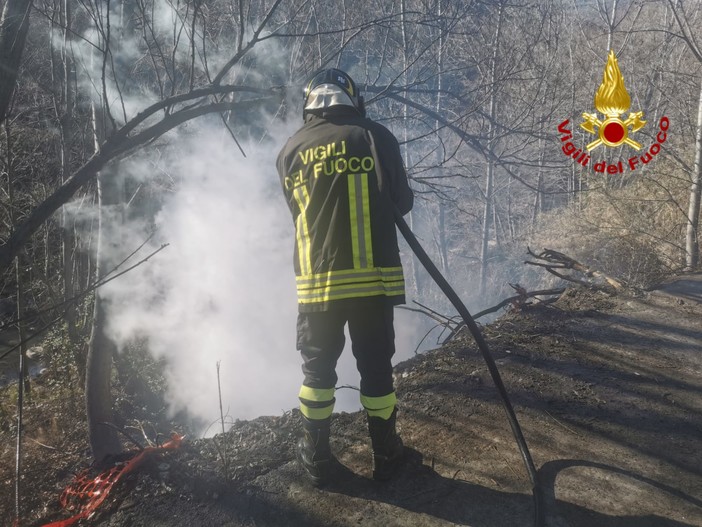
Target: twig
[
  {"x": 445, "y": 321},
  {"x": 42, "y": 444},
  {"x": 75, "y": 299},
  {"x": 231, "y": 133},
  {"x": 124, "y": 433},
  {"x": 225, "y": 460},
  {"x": 562, "y": 425},
  {"x": 140, "y": 428},
  {"x": 105, "y": 279},
  {"x": 517, "y": 300},
  {"x": 435, "y": 313},
  {"x": 18, "y": 451},
  {"x": 509, "y": 465}
]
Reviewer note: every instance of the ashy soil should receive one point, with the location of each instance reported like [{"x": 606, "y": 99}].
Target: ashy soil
[{"x": 607, "y": 390}]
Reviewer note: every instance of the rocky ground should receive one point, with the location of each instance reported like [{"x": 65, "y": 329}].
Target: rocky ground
[{"x": 607, "y": 390}]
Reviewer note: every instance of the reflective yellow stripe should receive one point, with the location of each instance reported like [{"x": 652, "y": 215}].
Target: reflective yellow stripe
[
  {"x": 379, "y": 406},
  {"x": 378, "y": 403},
  {"x": 316, "y": 394},
  {"x": 348, "y": 295},
  {"x": 348, "y": 276},
  {"x": 353, "y": 211},
  {"x": 352, "y": 291},
  {"x": 352, "y": 283},
  {"x": 359, "y": 215},
  {"x": 316, "y": 413},
  {"x": 366, "y": 221},
  {"x": 301, "y": 230}
]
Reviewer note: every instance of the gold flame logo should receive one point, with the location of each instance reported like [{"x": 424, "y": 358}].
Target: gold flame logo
[{"x": 612, "y": 100}]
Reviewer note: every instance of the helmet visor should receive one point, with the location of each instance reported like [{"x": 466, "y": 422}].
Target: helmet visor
[{"x": 326, "y": 96}]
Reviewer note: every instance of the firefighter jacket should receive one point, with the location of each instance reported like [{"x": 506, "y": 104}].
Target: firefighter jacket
[{"x": 339, "y": 173}]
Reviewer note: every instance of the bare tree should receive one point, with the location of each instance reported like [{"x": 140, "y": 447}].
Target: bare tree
[
  {"x": 14, "y": 27},
  {"x": 692, "y": 241},
  {"x": 490, "y": 170}
]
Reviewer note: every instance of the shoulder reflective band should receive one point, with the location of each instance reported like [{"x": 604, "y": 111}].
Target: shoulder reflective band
[
  {"x": 359, "y": 209},
  {"x": 301, "y": 230}
]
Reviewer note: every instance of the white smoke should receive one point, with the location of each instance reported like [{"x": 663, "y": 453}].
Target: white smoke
[{"x": 224, "y": 288}]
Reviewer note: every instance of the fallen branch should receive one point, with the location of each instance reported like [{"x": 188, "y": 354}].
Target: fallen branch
[
  {"x": 520, "y": 300},
  {"x": 441, "y": 319},
  {"x": 556, "y": 260},
  {"x": 448, "y": 323},
  {"x": 517, "y": 302}
]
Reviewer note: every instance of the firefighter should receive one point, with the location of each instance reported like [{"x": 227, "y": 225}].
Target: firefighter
[{"x": 342, "y": 175}]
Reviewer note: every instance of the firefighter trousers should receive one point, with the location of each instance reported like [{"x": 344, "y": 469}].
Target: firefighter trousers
[{"x": 320, "y": 340}]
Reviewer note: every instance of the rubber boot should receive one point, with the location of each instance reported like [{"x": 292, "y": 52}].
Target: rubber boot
[
  {"x": 388, "y": 449},
  {"x": 313, "y": 450}
]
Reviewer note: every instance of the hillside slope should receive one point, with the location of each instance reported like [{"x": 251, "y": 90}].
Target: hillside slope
[{"x": 607, "y": 391}]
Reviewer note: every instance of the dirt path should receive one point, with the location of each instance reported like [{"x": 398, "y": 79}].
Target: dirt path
[{"x": 607, "y": 391}]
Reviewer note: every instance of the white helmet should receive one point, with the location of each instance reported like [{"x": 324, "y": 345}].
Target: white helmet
[{"x": 332, "y": 87}]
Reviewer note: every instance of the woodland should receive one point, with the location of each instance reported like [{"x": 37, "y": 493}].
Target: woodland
[{"x": 98, "y": 96}]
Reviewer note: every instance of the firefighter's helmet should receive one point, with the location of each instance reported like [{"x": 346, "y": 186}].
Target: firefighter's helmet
[{"x": 331, "y": 87}]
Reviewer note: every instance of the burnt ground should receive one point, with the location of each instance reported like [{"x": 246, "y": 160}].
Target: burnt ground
[{"x": 607, "y": 391}]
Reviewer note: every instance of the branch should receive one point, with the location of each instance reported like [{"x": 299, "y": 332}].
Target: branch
[
  {"x": 14, "y": 28},
  {"x": 250, "y": 44},
  {"x": 117, "y": 145},
  {"x": 184, "y": 97},
  {"x": 687, "y": 34},
  {"x": 557, "y": 260},
  {"x": 520, "y": 300},
  {"x": 472, "y": 140},
  {"x": 82, "y": 295},
  {"x": 517, "y": 302}
]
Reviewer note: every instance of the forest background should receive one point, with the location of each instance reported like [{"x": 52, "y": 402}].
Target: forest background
[{"x": 141, "y": 136}]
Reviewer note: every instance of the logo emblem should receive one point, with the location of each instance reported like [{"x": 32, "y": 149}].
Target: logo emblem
[{"x": 612, "y": 100}]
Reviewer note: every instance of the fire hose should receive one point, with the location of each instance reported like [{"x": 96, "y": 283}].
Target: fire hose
[{"x": 492, "y": 367}]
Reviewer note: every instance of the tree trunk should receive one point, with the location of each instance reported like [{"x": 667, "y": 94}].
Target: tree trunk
[
  {"x": 611, "y": 23},
  {"x": 98, "y": 397},
  {"x": 14, "y": 27},
  {"x": 538, "y": 199},
  {"x": 23, "y": 379},
  {"x": 98, "y": 376},
  {"x": 692, "y": 242},
  {"x": 443, "y": 250},
  {"x": 414, "y": 263},
  {"x": 490, "y": 174},
  {"x": 22, "y": 387},
  {"x": 64, "y": 84}
]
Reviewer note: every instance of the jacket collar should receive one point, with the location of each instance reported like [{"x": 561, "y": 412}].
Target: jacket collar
[{"x": 331, "y": 112}]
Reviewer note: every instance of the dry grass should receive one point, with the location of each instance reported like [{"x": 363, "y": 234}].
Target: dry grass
[{"x": 635, "y": 234}]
